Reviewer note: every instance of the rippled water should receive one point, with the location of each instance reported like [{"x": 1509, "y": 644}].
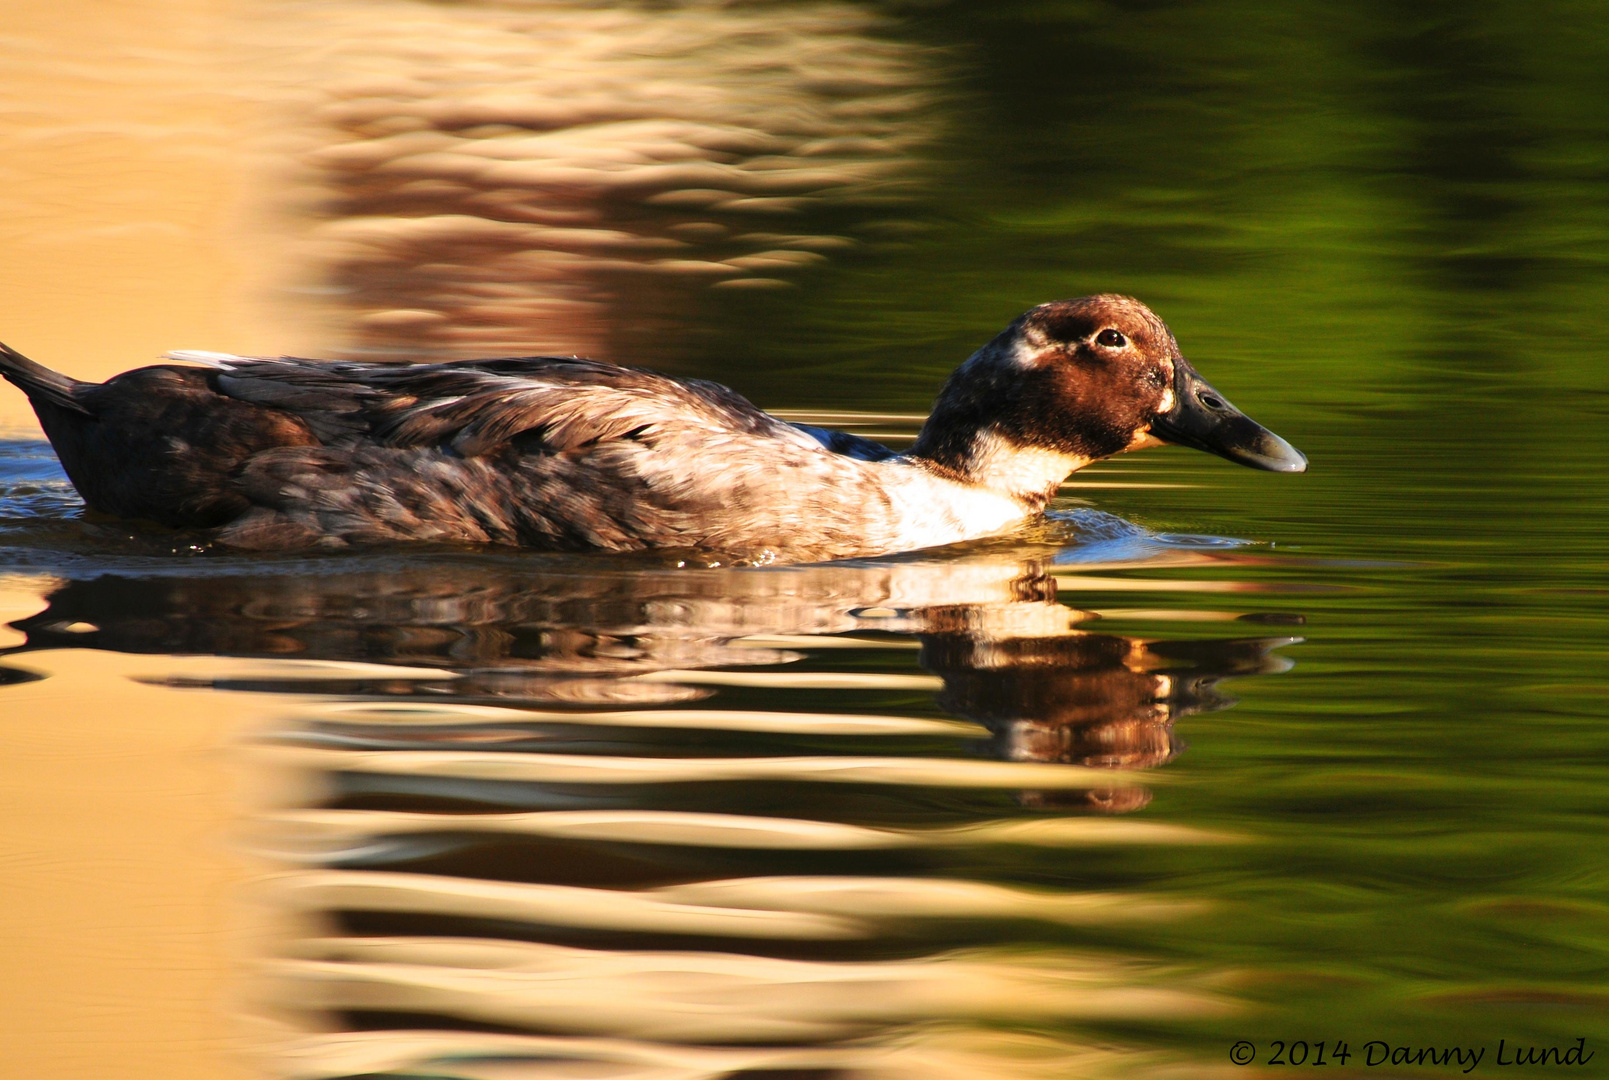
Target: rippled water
[{"x": 1206, "y": 756}]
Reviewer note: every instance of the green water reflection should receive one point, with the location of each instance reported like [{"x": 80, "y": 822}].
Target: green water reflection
[{"x": 1383, "y": 229}]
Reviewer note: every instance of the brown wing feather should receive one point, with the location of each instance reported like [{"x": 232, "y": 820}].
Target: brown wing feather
[{"x": 476, "y": 407}]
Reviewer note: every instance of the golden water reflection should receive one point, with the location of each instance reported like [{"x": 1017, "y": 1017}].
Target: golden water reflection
[
  {"x": 571, "y": 817},
  {"x": 417, "y": 179},
  {"x": 485, "y": 179}
]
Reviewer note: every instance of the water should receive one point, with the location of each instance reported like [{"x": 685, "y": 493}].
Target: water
[{"x": 1209, "y": 756}]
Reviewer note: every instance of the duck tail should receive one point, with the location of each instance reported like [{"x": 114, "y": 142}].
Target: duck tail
[{"x": 39, "y": 382}]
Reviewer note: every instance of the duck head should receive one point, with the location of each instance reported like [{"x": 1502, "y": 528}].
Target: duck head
[{"x": 1074, "y": 381}]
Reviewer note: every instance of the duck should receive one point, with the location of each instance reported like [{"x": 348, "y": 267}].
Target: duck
[{"x": 566, "y": 453}]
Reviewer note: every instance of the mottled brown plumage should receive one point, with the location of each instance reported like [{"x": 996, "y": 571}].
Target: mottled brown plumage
[{"x": 566, "y": 453}]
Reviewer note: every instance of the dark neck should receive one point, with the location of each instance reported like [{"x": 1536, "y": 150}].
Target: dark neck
[{"x": 966, "y": 439}]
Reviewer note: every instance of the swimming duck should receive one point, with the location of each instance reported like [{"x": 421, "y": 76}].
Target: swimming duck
[{"x": 560, "y": 452}]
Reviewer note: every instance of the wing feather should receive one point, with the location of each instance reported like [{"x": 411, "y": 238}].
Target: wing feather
[{"x": 476, "y": 407}]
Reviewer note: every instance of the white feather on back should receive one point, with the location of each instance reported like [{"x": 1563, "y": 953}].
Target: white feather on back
[{"x": 207, "y": 358}]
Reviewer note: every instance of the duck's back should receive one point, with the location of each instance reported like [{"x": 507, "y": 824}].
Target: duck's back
[{"x": 552, "y": 452}]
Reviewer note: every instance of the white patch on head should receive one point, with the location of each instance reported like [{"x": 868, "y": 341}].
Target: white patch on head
[
  {"x": 1167, "y": 401},
  {"x": 1023, "y": 472},
  {"x": 1025, "y": 353}
]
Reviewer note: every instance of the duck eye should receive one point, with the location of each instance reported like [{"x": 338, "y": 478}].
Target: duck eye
[{"x": 1111, "y": 339}]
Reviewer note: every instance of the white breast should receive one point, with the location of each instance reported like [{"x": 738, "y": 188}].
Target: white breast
[{"x": 930, "y": 510}]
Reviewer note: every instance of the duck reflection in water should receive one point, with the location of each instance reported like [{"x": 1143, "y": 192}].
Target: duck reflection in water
[
  {"x": 594, "y": 817},
  {"x": 1103, "y": 700},
  {"x": 578, "y": 633}
]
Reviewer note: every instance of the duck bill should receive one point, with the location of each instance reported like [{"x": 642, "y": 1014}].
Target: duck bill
[{"x": 1203, "y": 418}]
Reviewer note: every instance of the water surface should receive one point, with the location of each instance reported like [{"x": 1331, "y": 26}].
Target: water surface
[{"x": 1211, "y": 755}]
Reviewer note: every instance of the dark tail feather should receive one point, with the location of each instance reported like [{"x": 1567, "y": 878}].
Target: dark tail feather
[{"x": 38, "y": 381}]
